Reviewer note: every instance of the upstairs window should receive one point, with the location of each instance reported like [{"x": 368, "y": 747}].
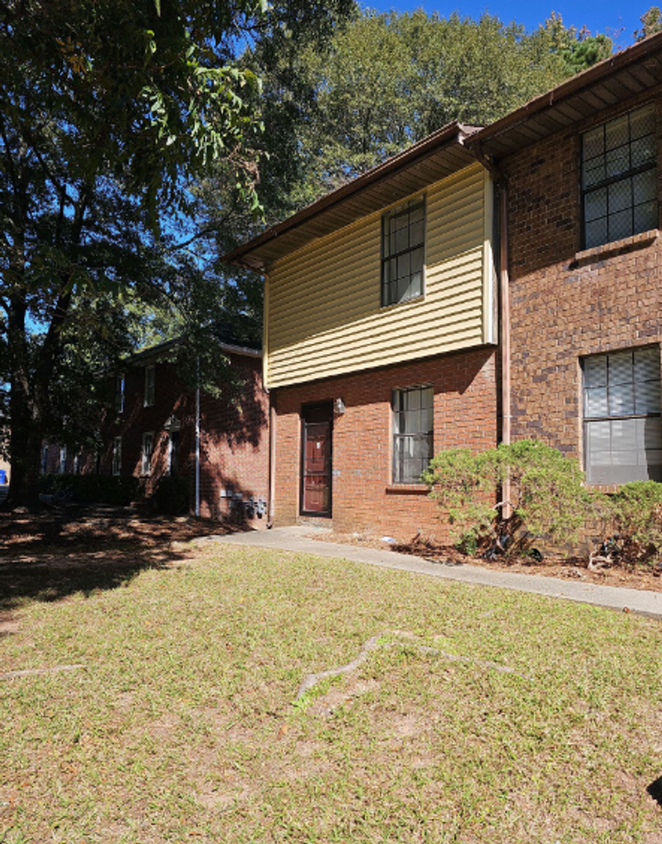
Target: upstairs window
[
  {"x": 147, "y": 451},
  {"x": 412, "y": 433},
  {"x": 403, "y": 252},
  {"x": 119, "y": 394},
  {"x": 622, "y": 424},
  {"x": 619, "y": 184},
  {"x": 149, "y": 386}
]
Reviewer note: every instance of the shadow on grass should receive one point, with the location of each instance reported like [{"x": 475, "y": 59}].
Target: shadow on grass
[
  {"x": 655, "y": 790},
  {"x": 52, "y": 555}
]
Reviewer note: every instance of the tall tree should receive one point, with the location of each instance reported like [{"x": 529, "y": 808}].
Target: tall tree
[
  {"x": 107, "y": 112},
  {"x": 651, "y": 22}
]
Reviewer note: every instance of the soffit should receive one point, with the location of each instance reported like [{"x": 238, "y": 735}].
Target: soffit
[
  {"x": 619, "y": 78},
  {"x": 437, "y": 156}
]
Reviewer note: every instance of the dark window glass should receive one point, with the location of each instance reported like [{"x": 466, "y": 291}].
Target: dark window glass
[
  {"x": 403, "y": 244},
  {"x": 619, "y": 186},
  {"x": 412, "y": 433},
  {"x": 622, "y": 424}
]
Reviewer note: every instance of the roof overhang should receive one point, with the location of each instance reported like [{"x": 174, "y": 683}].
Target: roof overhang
[
  {"x": 435, "y": 157},
  {"x": 620, "y": 78}
]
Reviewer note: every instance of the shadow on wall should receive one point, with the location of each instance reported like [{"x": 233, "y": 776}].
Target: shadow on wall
[
  {"x": 236, "y": 420},
  {"x": 226, "y": 499}
]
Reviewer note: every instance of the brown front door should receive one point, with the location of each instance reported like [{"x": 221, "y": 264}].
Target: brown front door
[{"x": 317, "y": 427}]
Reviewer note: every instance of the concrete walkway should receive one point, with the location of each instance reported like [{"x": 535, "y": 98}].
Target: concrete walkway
[{"x": 299, "y": 539}]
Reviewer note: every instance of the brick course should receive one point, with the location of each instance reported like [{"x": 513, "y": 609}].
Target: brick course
[
  {"x": 234, "y": 442},
  {"x": 364, "y": 500},
  {"x": 567, "y": 303}
]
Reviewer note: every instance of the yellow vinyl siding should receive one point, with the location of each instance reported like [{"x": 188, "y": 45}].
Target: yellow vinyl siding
[{"x": 324, "y": 301}]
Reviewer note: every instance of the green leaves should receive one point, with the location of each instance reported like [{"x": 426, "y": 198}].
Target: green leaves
[{"x": 547, "y": 493}]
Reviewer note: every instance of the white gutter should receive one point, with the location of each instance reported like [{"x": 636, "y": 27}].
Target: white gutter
[{"x": 197, "y": 442}]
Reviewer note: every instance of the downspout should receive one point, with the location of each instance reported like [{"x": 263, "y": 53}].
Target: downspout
[
  {"x": 197, "y": 441},
  {"x": 271, "y": 501},
  {"x": 504, "y": 314},
  {"x": 504, "y": 305},
  {"x": 271, "y": 511}
]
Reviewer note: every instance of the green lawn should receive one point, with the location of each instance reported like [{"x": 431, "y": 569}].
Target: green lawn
[{"x": 184, "y": 726}]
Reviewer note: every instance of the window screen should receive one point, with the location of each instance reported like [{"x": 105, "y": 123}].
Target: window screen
[
  {"x": 403, "y": 239},
  {"x": 117, "y": 456},
  {"x": 622, "y": 425},
  {"x": 147, "y": 449},
  {"x": 412, "y": 433},
  {"x": 619, "y": 190},
  {"x": 119, "y": 394},
  {"x": 149, "y": 386}
]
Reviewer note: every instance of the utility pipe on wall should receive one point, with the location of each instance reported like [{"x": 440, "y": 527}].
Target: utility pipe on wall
[
  {"x": 504, "y": 314},
  {"x": 272, "y": 461},
  {"x": 504, "y": 307},
  {"x": 197, "y": 442}
]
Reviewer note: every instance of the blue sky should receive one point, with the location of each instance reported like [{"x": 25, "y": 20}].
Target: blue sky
[{"x": 617, "y": 18}]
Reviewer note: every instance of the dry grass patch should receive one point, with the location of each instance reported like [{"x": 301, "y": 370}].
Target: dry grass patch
[{"x": 184, "y": 724}]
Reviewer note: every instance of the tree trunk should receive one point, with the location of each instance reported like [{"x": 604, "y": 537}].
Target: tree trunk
[{"x": 25, "y": 449}]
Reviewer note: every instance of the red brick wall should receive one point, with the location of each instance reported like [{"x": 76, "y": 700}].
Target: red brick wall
[
  {"x": 465, "y": 414},
  {"x": 234, "y": 443},
  {"x": 562, "y": 309}
]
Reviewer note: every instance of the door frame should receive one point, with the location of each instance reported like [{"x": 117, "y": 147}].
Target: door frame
[{"x": 307, "y": 408}]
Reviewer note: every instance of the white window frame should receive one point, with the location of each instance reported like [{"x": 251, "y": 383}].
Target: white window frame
[
  {"x": 147, "y": 453},
  {"x": 397, "y": 288},
  {"x": 120, "y": 384},
  {"x": 150, "y": 383},
  {"x": 622, "y": 416},
  {"x": 401, "y": 437},
  {"x": 117, "y": 456}
]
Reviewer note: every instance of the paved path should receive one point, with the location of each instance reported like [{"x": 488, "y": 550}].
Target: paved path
[{"x": 299, "y": 539}]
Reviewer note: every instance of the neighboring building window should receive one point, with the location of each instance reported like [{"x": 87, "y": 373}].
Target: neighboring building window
[
  {"x": 173, "y": 453},
  {"x": 412, "y": 433},
  {"x": 62, "y": 462},
  {"x": 622, "y": 425},
  {"x": 76, "y": 468},
  {"x": 619, "y": 184},
  {"x": 149, "y": 386},
  {"x": 147, "y": 450},
  {"x": 403, "y": 249},
  {"x": 119, "y": 394},
  {"x": 44, "y": 460},
  {"x": 117, "y": 455}
]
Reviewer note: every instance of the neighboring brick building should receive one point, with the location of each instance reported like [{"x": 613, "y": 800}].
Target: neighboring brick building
[
  {"x": 151, "y": 434},
  {"x": 388, "y": 338}
]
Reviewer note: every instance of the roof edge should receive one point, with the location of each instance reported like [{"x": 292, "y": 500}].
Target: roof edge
[
  {"x": 586, "y": 78},
  {"x": 448, "y": 133}
]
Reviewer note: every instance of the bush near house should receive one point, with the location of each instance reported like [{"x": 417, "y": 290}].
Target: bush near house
[
  {"x": 633, "y": 524},
  {"x": 91, "y": 489},
  {"x": 549, "y": 500},
  {"x": 547, "y": 495}
]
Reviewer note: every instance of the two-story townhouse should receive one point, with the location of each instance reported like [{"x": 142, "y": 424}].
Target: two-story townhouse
[
  {"x": 160, "y": 428},
  {"x": 484, "y": 284},
  {"x": 218, "y": 445},
  {"x": 380, "y": 336}
]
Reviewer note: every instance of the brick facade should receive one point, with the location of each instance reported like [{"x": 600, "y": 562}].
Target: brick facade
[
  {"x": 364, "y": 499},
  {"x": 234, "y": 440},
  {"x": 567, "y": 303}
]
